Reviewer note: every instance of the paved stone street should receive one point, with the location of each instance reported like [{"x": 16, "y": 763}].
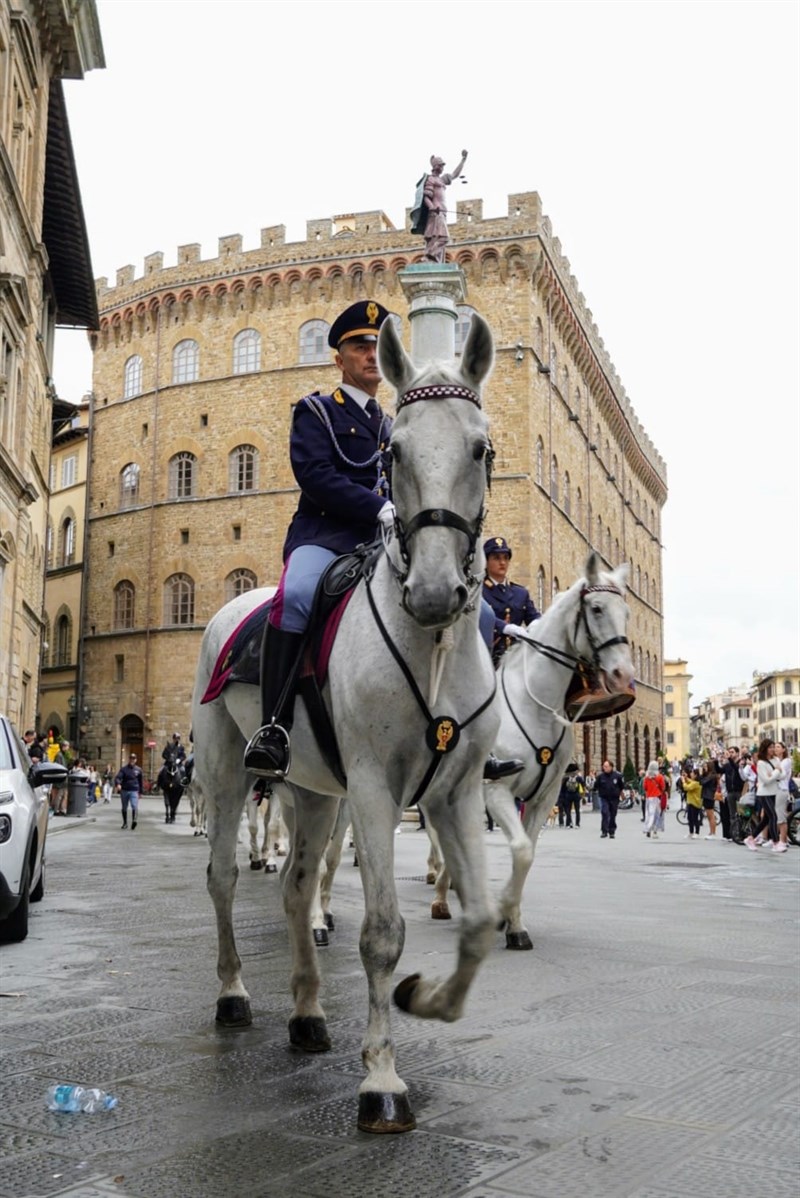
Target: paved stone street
[{"x": 647, "y": 1048}]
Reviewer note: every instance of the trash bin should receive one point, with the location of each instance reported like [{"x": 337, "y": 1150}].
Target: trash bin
[{"x": 78, "y": 786}]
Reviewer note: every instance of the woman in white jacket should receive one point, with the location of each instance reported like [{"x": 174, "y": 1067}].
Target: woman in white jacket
[{"x": 769, "y": 777}]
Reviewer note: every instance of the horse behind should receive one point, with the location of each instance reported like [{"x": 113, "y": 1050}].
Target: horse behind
[{"x": 394, "y": 742}]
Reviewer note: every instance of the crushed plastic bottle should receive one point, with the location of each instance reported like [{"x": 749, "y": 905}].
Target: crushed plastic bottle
[{"x": 79, "y": 1098}]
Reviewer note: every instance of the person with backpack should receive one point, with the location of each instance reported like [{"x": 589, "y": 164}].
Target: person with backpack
[
  {"x": 655, "y": 791},
  {"x": 569, "y": 797}
]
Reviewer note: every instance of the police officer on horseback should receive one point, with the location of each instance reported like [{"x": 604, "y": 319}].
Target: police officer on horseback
[
  {"x": 510, "y": 602},
  {"x": 336, "y": 446}
]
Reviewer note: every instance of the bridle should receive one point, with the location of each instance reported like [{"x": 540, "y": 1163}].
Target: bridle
[
  {"x": 441, "y": 517},
  {"x": 572, "y": 660}
]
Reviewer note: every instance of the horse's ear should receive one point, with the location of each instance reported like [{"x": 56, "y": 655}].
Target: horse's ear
[
  {"x": 592, "y": 569},
  {"x": 396, "y": 366},
  {"x": 478, "y": 353},
  {"x": 621, "y": 574}
]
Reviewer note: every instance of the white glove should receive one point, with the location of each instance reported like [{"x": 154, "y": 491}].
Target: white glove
[
  {"x": 514, "y": 630},
  {"x": 386, "y": 514}
]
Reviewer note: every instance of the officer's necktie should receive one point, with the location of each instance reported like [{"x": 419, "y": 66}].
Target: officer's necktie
[{"x": 372, "y": 409}]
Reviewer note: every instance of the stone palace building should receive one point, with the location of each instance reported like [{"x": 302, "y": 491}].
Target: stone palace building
[{"x": 196, "y": 369}]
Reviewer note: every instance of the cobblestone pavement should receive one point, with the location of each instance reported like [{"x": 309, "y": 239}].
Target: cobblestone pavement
[{"x": 646, "y": 1048}]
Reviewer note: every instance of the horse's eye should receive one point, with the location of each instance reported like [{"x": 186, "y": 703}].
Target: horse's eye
[
  {"x": 597, "y": 609},
  {"x": 479, "y": 452},
  {"x": 394, "y": 453}
]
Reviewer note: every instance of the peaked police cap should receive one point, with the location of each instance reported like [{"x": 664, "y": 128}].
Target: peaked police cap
[
  {"x": 363, "y": 320},
  {"x": 496, "y": 545}
]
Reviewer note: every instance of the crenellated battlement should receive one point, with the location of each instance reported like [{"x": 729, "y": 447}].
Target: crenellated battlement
[{"x": 354, "y": 246}]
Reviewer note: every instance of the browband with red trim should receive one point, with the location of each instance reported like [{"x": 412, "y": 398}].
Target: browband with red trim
[{"x": 439, "y": 391}]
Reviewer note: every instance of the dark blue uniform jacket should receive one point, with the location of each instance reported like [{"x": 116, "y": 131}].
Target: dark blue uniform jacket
[
  {"x": 335, "y": 450},
  {"x": 510, "y": 603}
]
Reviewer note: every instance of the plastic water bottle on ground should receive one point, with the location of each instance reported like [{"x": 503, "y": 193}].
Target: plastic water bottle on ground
[{"x": 79, "y": 1098}]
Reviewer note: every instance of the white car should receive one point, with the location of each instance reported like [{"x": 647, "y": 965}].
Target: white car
[{"x": 23, "y": 830}]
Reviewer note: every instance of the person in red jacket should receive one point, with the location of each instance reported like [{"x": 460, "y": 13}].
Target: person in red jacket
[{"x": 654, "y": 791}]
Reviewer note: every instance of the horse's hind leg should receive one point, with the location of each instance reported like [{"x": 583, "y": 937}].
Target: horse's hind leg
[
  {"x": 331, "y": 862},
  {"x": 233, "y": 1004},
  {"x": 501, "y": 806},
  {"x": 310, "y": 825}
]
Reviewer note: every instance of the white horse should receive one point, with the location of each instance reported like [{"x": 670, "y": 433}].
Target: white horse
[
  {"x": 413, "y": 631},
  {"x": 265, "y": 850},
  {"x": 585, "y": 625}
]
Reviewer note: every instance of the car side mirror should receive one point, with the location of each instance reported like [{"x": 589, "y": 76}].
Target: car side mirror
[{"x": 47, "y": 773}]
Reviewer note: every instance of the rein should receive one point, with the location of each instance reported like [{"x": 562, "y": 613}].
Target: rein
[{"x": 443, "y": 732}]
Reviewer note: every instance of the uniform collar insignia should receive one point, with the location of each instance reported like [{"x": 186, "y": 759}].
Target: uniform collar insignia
[{"x": 338, "y": 395}]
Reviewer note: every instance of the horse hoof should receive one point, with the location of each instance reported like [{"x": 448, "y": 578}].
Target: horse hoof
[
  {"x": 329, "y": 924},
  {"x": 271, "y": 867},
  {"x": 234, "y": 1011},
  {"x": 321, "y": 937},
  {"x": 404, "y": 991},
  {"x": 430, "y": 878},
  {"x": 440, "y": 911},
  {"x": 385, "y": 1114},
  {"x": 355, "y": 860},
  {"x": 518, "y": 940},
  {"x": 256, "y": 864},
  {"x": 309, "y": 1033}
]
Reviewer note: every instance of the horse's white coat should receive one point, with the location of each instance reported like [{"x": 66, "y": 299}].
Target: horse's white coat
[{"x": 380, "y": 732}]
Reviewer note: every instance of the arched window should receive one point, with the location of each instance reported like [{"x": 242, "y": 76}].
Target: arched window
[
  {"x": 599, "y": 539},
  {"x": 554, "y": 479},
  {"x": 647, "y": 743},
  {"x": 579, "y": 508},
  {"x": 567, "y": 495},
  {"x": 314, "y": 343},
  {"x": 243, "y": 468},
  {"x": 462, "y": 325},
  {"x": 578, "y": 402},
  {"x": 124, "y": 604},
  {"x": 66, "y": 542},
  {"x": 540, "y": 585},
  {"x": 640, "y": 663},
  {"x": 185, "y": 362},
  {"x": 63, "y": 646},
  {"x": 565, "y": 385},
  {"x": 646, "y": 592},
  {"x": 129, "y": 485},
  {"x": 616, "y": 552},
  {"x": 49, "y": 544},
  {"x": 132, "y": 382},
  {"x": 247, "y": 352},
  {"x": 647, "y": 667},
  {"x": 238, "y": 582},
  {"x": 182, "y": 476},
  {"x": 608, "y": 544},
  {"x": 540, "y": 461},
  {"x": 179, "y": 600},
  {"x": 555, "y": 588},
  {"x": 638, "y": 580},
  {"x": 656, "y": 679},
  {"x": 618, "y": 741}
]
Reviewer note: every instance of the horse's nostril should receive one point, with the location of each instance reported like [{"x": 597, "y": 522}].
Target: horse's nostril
[{"x": 462, "y": 595}]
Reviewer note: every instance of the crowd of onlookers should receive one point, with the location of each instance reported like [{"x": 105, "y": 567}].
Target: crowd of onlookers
[
  {"x": 755, "y": 788},
  {"x": 99, "y": 785}
]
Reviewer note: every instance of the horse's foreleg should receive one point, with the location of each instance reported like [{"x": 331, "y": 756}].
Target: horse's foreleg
[
  {"x": 233, "y": 1004},
  {"x": 460, "y": 829},
  {"x": 383, "y": 1104},
  {"x": 312, "y": 821},
  {"x": 501, "y": 806}
]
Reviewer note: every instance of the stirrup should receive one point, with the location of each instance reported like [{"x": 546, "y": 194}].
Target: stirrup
[{"x": 254, "y": 745}]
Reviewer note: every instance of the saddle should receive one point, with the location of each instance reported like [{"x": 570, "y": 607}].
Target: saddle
[{"x": 239, "y": 659}]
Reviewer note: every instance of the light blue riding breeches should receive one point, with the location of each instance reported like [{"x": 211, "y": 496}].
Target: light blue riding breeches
[{"x": 291, "y": 607}]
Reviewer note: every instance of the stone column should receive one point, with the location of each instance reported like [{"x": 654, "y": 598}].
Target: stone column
[{"x": 433, "y": 289}]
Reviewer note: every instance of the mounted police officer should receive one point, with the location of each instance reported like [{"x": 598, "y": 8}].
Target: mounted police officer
[
  {"x": 336, "y": 448},
  {"x": 510, "y": 602}
]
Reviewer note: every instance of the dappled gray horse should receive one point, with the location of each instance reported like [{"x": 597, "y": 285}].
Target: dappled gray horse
[{"x": 410, "y": 688}]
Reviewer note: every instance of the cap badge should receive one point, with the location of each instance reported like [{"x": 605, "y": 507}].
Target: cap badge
[{"x": 372, "y": 312}]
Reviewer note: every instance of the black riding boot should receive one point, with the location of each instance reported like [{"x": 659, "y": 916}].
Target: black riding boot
[
  {"x": 267, "y": 754},
  {"x": 495, "y": 768}
]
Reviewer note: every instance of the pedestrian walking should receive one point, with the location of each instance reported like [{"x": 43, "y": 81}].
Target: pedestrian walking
[
  {"x": 609, "y": 785},
  {"x": 655, "y": 790},
  {"x": 129, "y": 784}
]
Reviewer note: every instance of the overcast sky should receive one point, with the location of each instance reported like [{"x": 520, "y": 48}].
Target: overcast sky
[{"x": 663, "y": 141}]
